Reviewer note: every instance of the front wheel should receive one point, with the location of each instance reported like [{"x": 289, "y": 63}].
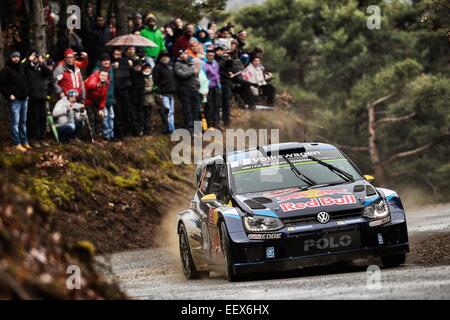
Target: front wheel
[
  {"x": 187, "y": 263},
  {"x": 226, "y": 250},
  {"x": 393, "y": 261}
]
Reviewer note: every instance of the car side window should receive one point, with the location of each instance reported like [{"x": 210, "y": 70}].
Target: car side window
[
  {"x": 205, "y": 179},
  {"x": 219, "y": 185}
]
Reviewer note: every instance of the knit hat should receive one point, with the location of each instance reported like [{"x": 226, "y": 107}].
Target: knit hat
[
  {"x": 14, "y": 54},
  {"x": 68, "y": 52},
  {"x": 150, "y": 16},
  {"x": 104, "y": 57}
]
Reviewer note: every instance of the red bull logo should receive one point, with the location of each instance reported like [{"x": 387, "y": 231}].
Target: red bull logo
[
  {"x": 318, "y": 202},
  {"x": 311, "y": 194}
]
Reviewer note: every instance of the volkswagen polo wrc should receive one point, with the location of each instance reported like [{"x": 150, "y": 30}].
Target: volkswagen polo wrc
[{"x": 284, "y": 206}]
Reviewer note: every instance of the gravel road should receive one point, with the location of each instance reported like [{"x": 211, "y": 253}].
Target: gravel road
[{"x": 156, "y": 274}]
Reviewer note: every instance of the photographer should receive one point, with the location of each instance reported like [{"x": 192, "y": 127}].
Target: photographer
[
  {"x": 69, "y": 116},
  {"x": 39, "y": 75},
  {"x": 68, "y": 76}
]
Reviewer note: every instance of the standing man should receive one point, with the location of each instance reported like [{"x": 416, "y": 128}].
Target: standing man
[
  {"x": 164, "y": 79},
  {"x": 14, "y": 86},
  {"x": 108, "y": 120},
  {"x": 211, "y": 68},
  {"x": 226, "y": 69},
  {"x": 100, "y": 35},
  {"x": 122, "y": 85},
  {"x": 39, "y": 75},
  {"x": 183, "y": 42},
  {"x": 152, "y": 32},
  {"x": 68, "y": 76},
  {"x": 186, "y": 74}
]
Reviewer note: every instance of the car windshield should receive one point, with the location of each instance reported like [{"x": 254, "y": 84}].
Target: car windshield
[{"x": 258, "y": 174}]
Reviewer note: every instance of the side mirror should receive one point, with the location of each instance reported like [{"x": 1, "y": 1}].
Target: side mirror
[
  {"x": 369, "y": 178},
  {"x": 210, "y": 199}
]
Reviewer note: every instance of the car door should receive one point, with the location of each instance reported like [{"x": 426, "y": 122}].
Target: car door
[
  {"x": 205, "y": 210},
  {"x": 218, "y": 185}
]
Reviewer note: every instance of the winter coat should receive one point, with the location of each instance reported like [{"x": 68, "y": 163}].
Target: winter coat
[
  {"x": 14, "y": 80},
  {"x": 137, "y": 87},
  {"x": 122, "y": 74},
  {"x": 149, "y": 96},
  {"x": 157, "y": 37},
  {"x": 39, "y": 76},
  {"x": 185, "y": 76},
  {"x": 164, "y": 78},
  {"x": 69, "y": 79},
  {"x": 96, "y": 95},
  {"x": 63, "y": 114},
  {"x": 110, "y": 97},
  {"x": 212, "y": 72},
  {"x": 225, "y": 67}
]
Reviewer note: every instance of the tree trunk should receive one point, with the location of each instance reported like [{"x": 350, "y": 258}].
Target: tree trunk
[
  {"x": 63, "y": 40},
  {"x": 373, "y": 148},
  {"x": 2, "y": 48},
  {"x": 121, "y": 16},
  {"x": 98, "y": 8},
  {"x": 39, "y": 25}
]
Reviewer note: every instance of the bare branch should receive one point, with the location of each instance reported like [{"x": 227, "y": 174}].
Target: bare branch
[
  {"x": 381, "y": 100},
  {"x": 415, "y": 151},
  {"x": 359, "y": 149},
  {"x": 441, "y": 4},
  {"x": 396, "y": 119}
]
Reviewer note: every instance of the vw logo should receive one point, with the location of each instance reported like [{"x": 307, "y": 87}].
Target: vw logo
[{"x": 323, "y": 217}]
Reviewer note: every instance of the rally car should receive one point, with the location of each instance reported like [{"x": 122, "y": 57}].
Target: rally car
[{"x": 284, "y": 206}]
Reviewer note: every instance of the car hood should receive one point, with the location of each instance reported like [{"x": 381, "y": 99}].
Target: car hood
[{"x": 288, "y": 203}]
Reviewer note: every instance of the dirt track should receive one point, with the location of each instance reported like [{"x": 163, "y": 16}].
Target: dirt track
[{"x": 156, "y": 274}]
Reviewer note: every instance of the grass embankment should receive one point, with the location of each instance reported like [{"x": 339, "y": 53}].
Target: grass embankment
[{"x": 112, "y": 195}]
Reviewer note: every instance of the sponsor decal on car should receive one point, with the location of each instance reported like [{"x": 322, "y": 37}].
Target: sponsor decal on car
[
  {"x": 264, "y": 236},
  {"x": 318, "y": 202},
  {"x": 329, "y": 242},
  {"x": 312, "y": 194}
]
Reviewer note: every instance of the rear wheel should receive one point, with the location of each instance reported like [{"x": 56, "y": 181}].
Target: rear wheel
[
  {"x": 393, "y": 261},
  {"x": 187, "y": 263},
  {"x": 226, "y": 250}
]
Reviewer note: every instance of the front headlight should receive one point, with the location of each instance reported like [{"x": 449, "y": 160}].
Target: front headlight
[
  {"x": 376, "y": 210},
  {"x": 261, "y": 224}
]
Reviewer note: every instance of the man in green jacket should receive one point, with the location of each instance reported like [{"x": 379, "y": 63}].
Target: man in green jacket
[{"x": 152, "y": 32}]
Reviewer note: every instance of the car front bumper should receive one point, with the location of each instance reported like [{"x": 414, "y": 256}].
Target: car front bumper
[{"x": 289, "y": 252}]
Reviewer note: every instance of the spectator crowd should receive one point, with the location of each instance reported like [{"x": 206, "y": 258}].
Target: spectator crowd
[{"x": 113, "y": 91}]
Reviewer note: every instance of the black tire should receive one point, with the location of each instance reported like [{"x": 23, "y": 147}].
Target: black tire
[
  {"x": 187, "y": 263},
  {"x": 225, "y": 245},
  {"x": 393, "y": 261}
]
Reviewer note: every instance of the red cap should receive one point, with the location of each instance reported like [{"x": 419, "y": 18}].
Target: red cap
[{"x": 68, "y": 51}]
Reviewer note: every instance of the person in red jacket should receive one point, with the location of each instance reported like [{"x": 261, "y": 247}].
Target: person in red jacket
[
  {"x": 67, "y": 76},
  {"x": 97, "y": 85}
]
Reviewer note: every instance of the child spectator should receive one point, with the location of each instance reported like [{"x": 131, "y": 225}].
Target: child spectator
[{"x": 149, "y": 102}]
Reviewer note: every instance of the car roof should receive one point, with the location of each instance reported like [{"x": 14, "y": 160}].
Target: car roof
[{"x": 309, "y": 146}]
